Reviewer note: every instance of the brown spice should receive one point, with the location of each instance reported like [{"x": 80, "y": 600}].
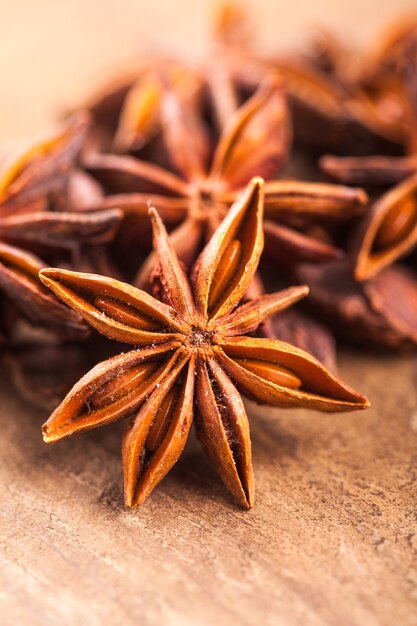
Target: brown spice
[
  {"x": 194, "y": 358},
  {"x": 32, "y": 184},
  {"x": 194, "y": 203}
]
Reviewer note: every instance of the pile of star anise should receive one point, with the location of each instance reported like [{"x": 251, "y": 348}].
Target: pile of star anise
[{"x": 145, "y": 217}]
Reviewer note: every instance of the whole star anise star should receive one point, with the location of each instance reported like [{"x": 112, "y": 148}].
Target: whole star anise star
[
  {"x": 192, "y": 354},
  {"x": 255, "y": 141}
]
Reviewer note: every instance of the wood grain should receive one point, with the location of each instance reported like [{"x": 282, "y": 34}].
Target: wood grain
[{"x": 331, "y": 541}]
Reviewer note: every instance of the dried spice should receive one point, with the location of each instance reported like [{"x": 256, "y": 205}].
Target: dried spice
[
  {"x": 329, "y": 111},
  {"x": 192, "y": 355},
  {"x": 32, "y": 184},
  {"x": 389, "y": 231},
  {"x": 378, "y": 299},
  {"x": 369, "y": 297},
  {"x": 191, "y": 138},
  {"x": 199, "y": 199},
  {"x": 380, "y": 312},
  {"x": 127, "y": 110},
  {"x": 194, "y": 203},
  {"x": 397, "y": 61},
  {"x": 34, "y": 175}
]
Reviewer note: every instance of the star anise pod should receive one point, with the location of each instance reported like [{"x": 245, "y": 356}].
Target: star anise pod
[
  {"x": 127, "y": 110},
  {"x": 388, "y": 232},
  {"x": 192, "y": 353},
  {"x": 381, "y": 311},
  {"x": 387, "y": 291},
  {"x": 34, "y": 175},
  {"x": 32, "y": 184},
  {"x": 370, "y": 296},
  {"x": 299, "y": 214},
  {"x": 255, "y": 141}
]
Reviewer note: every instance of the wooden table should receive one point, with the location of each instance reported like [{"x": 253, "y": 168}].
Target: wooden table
[{"x": 332, "y": 539}]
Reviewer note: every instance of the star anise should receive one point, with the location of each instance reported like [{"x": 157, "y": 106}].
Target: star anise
[
  {"x": 199, "y": 198},
  {"x": 373, "y": 72},
  {"x": 387, "y": 234},
  {"x": 192, "y": 353},
  {"x": 33, "y": 182},
  {"x": 327, "y": 110},
  {"x": 373, "y": 296},
  {"x": 127, "y": 110},
  {"x": 166, "y": 100},
  {"x": 299, "y": 214},
  {"x": 381, "y": 311},
  {"x": 385, "y": 170},
  {"x": 34, "y": 175}
]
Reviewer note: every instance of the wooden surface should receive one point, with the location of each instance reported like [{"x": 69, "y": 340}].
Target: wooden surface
[
  {"x": 331, "y": 540},
  {"x": 333, "y": 536}
]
